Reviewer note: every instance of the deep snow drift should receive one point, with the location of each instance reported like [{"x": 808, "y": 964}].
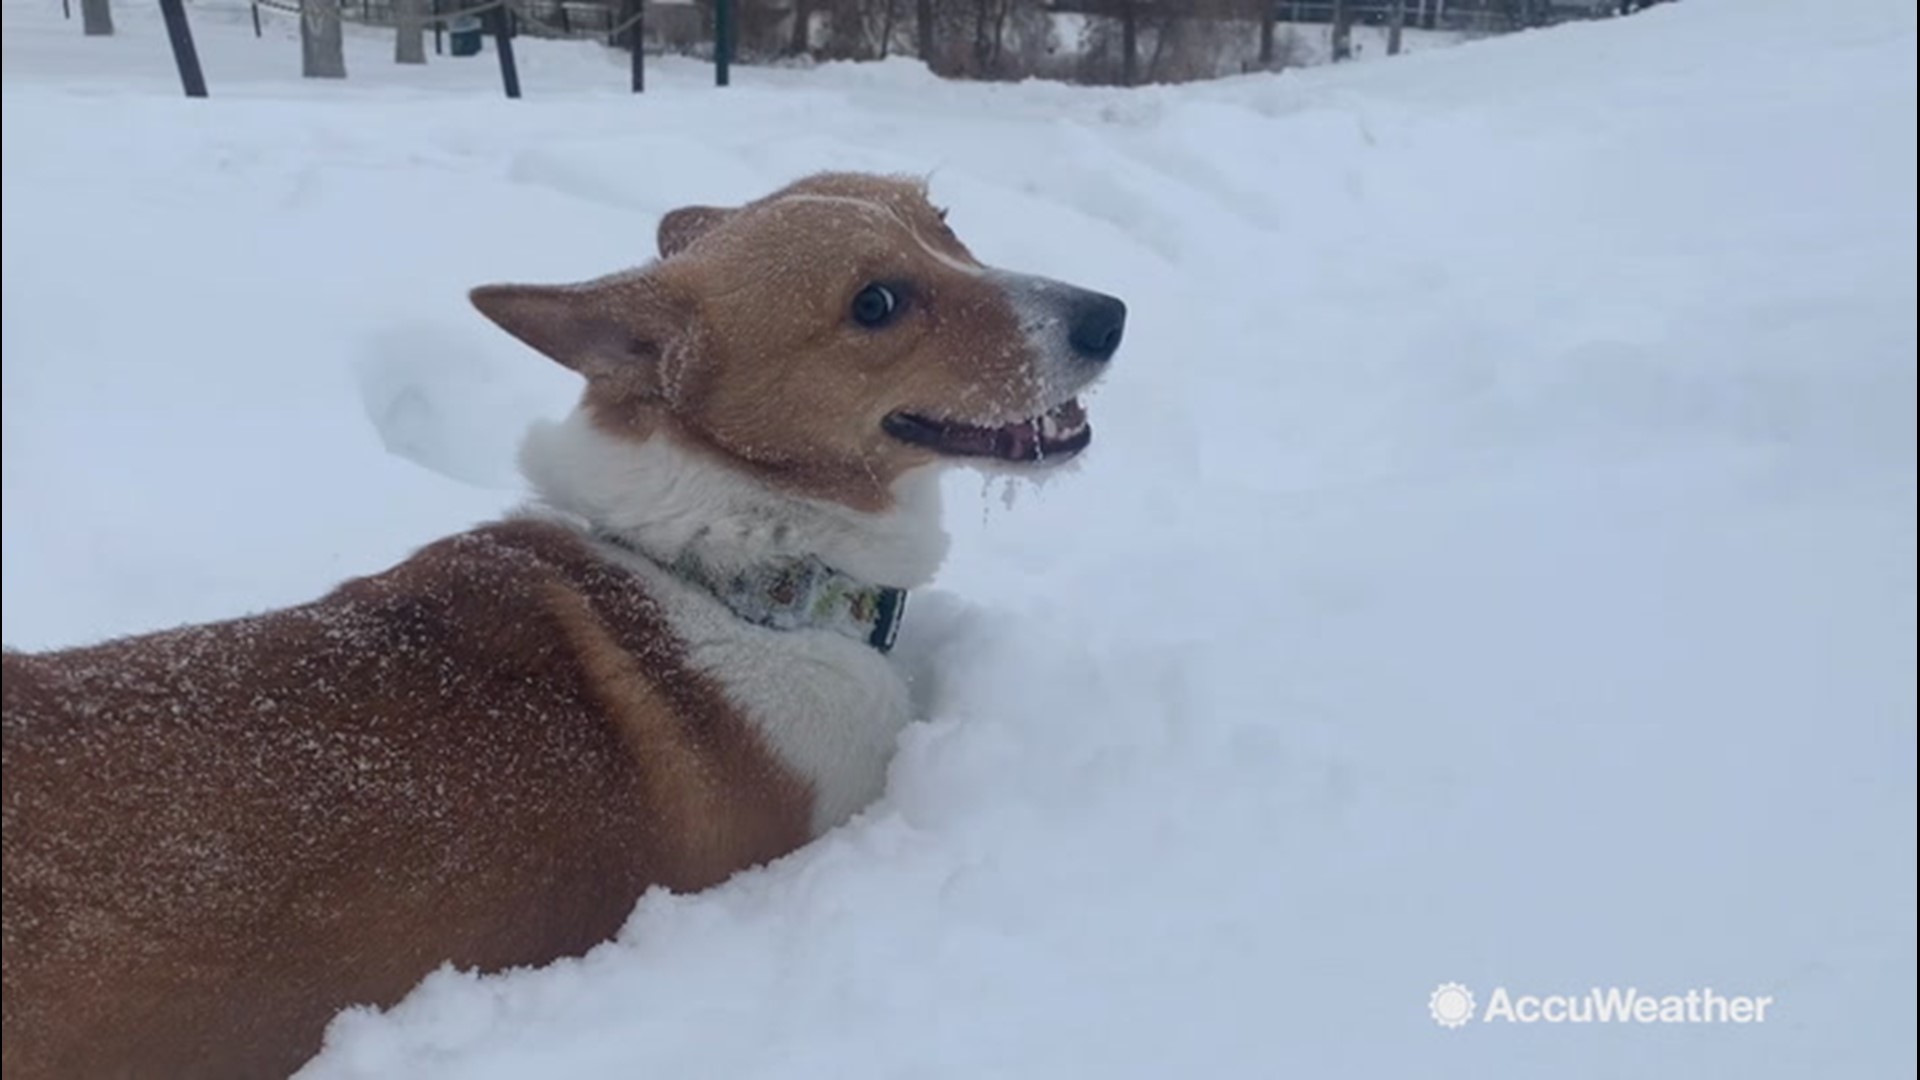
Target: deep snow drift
[{"x": 1495, "y": 562}]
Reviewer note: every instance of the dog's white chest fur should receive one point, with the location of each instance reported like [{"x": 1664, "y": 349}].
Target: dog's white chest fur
[{"x": 828, "y": 706}]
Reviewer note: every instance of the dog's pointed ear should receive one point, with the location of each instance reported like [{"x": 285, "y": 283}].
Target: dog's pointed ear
[
  {"x": 689, "y": 223},
  {"x": 613, "y": 329}
]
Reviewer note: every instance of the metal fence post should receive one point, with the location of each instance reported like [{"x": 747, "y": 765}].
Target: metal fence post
[
  {"x": 185, "y": 57},
  {"x": 503, "y": 44},
  {"x": 636, "y": 38}
]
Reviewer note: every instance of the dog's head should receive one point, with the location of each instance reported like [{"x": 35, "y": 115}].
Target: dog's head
[{"x": 829, "y": 337}]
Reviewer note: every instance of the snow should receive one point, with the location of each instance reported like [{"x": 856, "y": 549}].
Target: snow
[{"x": 1495, "y": 562}]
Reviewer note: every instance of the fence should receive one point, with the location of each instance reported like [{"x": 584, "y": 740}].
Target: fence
[
  {"x": 625, "y": 23},
  {"x": 504, "y": 19}
]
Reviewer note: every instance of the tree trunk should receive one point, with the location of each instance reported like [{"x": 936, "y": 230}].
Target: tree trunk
[
  {"x": 322, "y": 52},
  {"x": 1396, "y": 23},
  {"x": 1162, "y": 30},
  {"x": 999, "y": 31},
  {"x": 1129, "y": 41},
  {"x": 1342, "y": 32},
  {"x": 1267, "y": 17},
  {"x": 981, "y": 43},
  {"x": 96, "y": 17},
  {"x": 410, "y": 32},
  {"x": 923, "y": 28},
  {"x": 886, "y": 28},
  {"x": 801, "y": 42}
]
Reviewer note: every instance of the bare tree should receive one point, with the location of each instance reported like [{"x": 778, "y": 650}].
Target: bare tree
[
  {"x": 762, "y": 28},
  {"x": 802, "y": 42},
  {"x": 990, "y": 35},
  {"x": 982, "y": 43},
  {"x": 1203, "y": 39},
  {"x": 1396, "y": 23},
  {"x": 1004, "y": 9},
  {"x": 1342, "y": 32},
  {"x": 410, "y": 31},
  {"x": 1165, "y": 30},
  {"x": 96, "y": 17},
  {"x": 886, "y": 28},
  {"x": 322, "y": 50}
]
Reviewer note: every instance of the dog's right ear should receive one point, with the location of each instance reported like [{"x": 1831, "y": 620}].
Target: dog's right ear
[
  {"x": 613, "y": 330},
  {"x": 682, "y": 227}
]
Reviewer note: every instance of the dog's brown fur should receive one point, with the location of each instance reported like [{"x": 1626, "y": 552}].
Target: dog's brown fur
[{"x": 217, "y": 837}]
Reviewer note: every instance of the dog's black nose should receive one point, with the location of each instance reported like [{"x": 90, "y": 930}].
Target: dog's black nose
[{"x": 1096, "y": 326}]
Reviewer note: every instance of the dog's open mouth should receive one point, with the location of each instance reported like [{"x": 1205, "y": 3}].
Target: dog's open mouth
[{"x": 1055, "y": 435}]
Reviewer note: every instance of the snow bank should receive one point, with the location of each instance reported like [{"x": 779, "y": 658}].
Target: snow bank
[{"x": 1495, "y": 564}]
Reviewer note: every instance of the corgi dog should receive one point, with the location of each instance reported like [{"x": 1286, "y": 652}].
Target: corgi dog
[{"x": 670, "y": 666}]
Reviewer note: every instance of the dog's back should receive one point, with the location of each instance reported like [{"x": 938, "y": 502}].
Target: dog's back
[{"x": 482, "y": 756}]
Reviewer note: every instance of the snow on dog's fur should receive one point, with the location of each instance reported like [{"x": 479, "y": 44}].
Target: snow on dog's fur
[{"x": 218, "y": 836}]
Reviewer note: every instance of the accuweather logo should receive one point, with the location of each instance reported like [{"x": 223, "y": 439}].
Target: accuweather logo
[
  {"x": 1454, "y": 1006},
  {"x": 1451, "y": 1005}
]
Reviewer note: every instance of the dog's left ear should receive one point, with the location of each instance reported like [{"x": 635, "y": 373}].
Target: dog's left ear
[
  {"x": 613, "y": 331},
  {"x": 682, "y": 227}
]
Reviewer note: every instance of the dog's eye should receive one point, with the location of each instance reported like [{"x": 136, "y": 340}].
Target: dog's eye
[{"x": 875, "y": 306}]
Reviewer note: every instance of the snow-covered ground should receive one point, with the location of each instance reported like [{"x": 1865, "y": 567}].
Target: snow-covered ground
[{"x": 1495, "y": 562}]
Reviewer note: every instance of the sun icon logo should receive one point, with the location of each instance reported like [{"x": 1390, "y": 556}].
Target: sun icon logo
[{"x": 1451, "y": 1005}]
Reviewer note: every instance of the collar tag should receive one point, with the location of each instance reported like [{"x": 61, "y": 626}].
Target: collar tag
[{"x": 892, "y": 605}]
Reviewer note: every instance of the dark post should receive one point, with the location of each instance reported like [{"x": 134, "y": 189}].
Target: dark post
[
  {"x": 180, "y": 36},
  {"x": 1128, "y": 43},
  {"x": 923, "y": 27},
  {"x": 256, "y": 19},
  {"x": 503, "y": 44},
  {"x": 66, "y": 8},
  {"x": 886, "y": 28},
  {"x": 636, "y": 37},
  {"x": 722, "y": 40},
  {"x": 439, "y": 25}
]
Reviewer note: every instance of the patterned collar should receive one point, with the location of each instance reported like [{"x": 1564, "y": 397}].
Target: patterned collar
[{"x": 796, "y": 594}]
